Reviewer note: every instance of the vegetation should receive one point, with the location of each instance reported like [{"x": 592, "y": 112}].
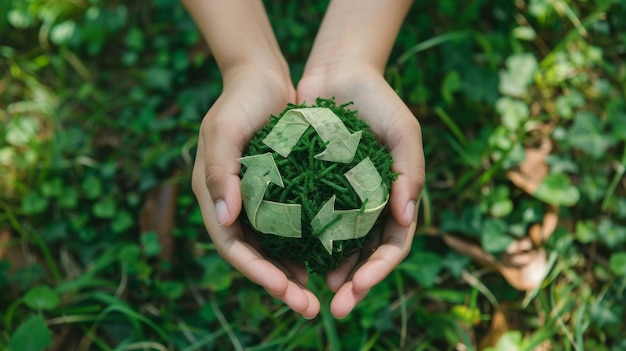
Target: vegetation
[{"x": 522, "y": 239}]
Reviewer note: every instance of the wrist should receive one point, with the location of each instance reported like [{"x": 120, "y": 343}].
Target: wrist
[
  {"x": 362, "y": 34},
  {"x": 276, "y": 70}
]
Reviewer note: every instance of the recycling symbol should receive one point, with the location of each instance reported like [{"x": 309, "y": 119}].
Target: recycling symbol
[{"x": 284, "y": 219}]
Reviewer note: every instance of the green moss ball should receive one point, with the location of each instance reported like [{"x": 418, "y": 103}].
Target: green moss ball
[{"x": 311, "y": 182}]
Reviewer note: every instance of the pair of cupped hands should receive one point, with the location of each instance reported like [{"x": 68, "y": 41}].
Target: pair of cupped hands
[{"x": 250, "y": 95}]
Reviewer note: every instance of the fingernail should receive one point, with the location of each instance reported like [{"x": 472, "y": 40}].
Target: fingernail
[
  {"x": 221, "y": 211},
  {"x": 409, "y": 212}
]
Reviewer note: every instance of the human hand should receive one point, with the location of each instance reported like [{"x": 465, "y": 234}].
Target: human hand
[
  {"x": 249, "y": 96},
  {"x": 394, "y": 126}
]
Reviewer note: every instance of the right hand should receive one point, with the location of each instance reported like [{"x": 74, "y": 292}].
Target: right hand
[{"x": 249, "y": 97}]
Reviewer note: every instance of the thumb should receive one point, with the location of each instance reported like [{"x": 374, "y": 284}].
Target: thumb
[{"x": 221, "y": 171}]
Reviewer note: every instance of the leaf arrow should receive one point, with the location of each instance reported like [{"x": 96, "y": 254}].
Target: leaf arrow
[
  {"x": 353, "y": 224},
  {"x": 267, "y": 216},
  {"x": 341, "y": 145}
]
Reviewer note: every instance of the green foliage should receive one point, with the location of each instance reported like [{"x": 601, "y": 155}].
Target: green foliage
[{"x": 100, "y": 102}]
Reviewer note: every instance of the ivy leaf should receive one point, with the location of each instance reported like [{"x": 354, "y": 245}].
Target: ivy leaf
[
  {"x": 586, "y": 134},
  {"x": 605, "y": 314},
  {"x": 104, "y": 208},
  {"x": 520, "y": 69},
  {"x": 68, "y": 199},
  {"x": 556, "y": 189},
  {"x": 52, "y": 188},
  {"x": 513, "y": 112},
  {"x": 586, "y": 231},
  {"x": 216, "y": 273},
  {"x": 22, "y": 130},
  {"x": 618, "y": 263},
  {"x": 424, "y": 268},
  {"x": 92, "y": 187},
  {"x": 150, "y": 243},
  {"x": 494, "y": 237},
  {"x": 33, "y": 203},
  {"x": 32, "y": 335},
  {"x": 122, "y": 222},
  {"x": 616, "y": 116},
  {"x": 610, "y": 233},
  {"x": 42, "y": 298}
]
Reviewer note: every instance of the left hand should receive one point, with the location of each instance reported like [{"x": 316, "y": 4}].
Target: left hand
[{"x": 394, "y": 126}]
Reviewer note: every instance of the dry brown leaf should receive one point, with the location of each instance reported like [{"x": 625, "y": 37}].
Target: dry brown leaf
[
  {"x": 5, "y": 236},
  {"x": 540, "y": 233},
  {"x": 498, "y": 327},
  {"x": 159, "y": 215},
  {"x": 532, "y": 171},
  {"x": 522, "y": 265}
]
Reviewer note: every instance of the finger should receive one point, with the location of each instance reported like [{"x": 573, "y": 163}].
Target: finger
[
  {"x": 345, "y": 300},
  {"x": 394, "y": 249}
]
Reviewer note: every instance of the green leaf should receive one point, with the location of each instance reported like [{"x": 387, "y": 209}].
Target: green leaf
[
  {"x": 171, "y": 289},
  {"x": 603, "y": 313},
  {"x": 586, "y": 231},
  {"x": 217, "y": 275},
  {"x": 494, "y": 237},
  {"x": 32, "y": 335},
  {"x": 130, "y": 253},
  {"x": 21, "y": 130},
  {"x": 92, "y": 187},
  {"x": 587, "y": 135},
  {"x": 501, "y": 208},
  {"x": 565, "y": 104},
  {"x": 524, "y": 33},
  {"x": 122, "y": 222},
  {"x": 68, "y": 199},
  {"x": 618, "y": 263},
  {"x": 105, "y": 208},
  {"x": 150, "y": 244},
  {"x": 159, "y": 78},
  {"x": 513, "y": 112},
  {"x": 616, "y": 117},
  {"x": 42, "y": 298},
  {"x": 520, "y": 69},
  {"x": 557, "y": 189},
  {"x": 455, "y": 263},
  {"x": 61, "y": 33},
  {"x": 451, "y": 84},
  {"x": 423, "y": 267},
  {"x": 611, "y": 234},
  {"x": 52, "y": 188},
  {"x": 33, "y": 203}
]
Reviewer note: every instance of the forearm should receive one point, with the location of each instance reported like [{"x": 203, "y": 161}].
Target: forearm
[
  {"x": 357, "y": 32},
  {"x": 238, "y": 33}
]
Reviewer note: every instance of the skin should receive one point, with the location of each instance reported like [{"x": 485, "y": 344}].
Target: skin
[{"x": 347, "y": 61}]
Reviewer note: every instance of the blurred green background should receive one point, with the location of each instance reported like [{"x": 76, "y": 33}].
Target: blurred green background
[{"x": 521, "y": 243}]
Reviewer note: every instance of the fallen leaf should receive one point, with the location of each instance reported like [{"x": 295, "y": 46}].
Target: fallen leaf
[
  {"x": 498, "y": 327},
  {"x": 532, "y": 171},
  {"x": 5, "y": 236},
  {"x": 523, "y": 265},
  {"x": 158, "y": 215},
  {"x": 540, "y": 233}
]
